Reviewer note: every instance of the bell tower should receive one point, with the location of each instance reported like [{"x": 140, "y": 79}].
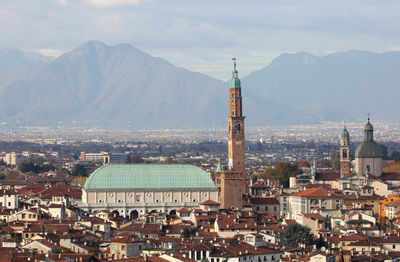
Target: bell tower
[
  {"x": 232, "y": 182},
  {"x": 236, "y": 146},
  {"x": 345, "y": 165}
]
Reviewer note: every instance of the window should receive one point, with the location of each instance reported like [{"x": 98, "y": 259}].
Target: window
[
  {"x": 394, "y": 246},
  {"x": 237, "y": 128},
  {"x": 368, "y": 168},
  {"x": 122, "y": 247},
  {"x": 9, "y": 203},
  {"x": 275, "y": 208},
  {"x": 344, "y": 153}
]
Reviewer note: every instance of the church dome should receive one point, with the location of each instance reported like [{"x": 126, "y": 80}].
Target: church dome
[
  {"x": 369, "y": 149},
  {"x": 149, "y": 176}
]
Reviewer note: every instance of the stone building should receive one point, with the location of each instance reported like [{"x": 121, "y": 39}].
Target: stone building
[{"x": 136, "y": 189}]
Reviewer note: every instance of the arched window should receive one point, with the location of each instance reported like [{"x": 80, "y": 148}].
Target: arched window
[{"x": 344, "y": 153}]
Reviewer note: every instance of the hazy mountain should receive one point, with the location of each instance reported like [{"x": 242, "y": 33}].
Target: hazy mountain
[
  {"x": 117, "y": 85},
  {"x": 16, "y": 59},
  {"x": 121, "y": 86},
  {"x": 348, "y": 85}
]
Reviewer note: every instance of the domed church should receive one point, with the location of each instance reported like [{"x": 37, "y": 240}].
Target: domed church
[
  {"x": 368, "y": 154},
  {"x": 368, "y": 161}
]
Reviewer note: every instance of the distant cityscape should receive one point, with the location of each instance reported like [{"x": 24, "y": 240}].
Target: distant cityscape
[{"x": 323, "y": 192}]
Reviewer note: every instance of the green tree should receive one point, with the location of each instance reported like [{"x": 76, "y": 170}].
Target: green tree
[
  {"x": 2, "y": 163},
  {"x": 281, "y": 171},
  {"x": 186, "y": 232},
  {"x": 78, "y": 170},
  {"x": 395, "y": 156},
  {"x": 336, "y": 164},
  {"x": 55, "y": 250},
  {"x": 295, "y": 235},
  {"x": 320, "y": 243},
  {"x": 29, "y": 166},
  {"x": 78, "y": 181},
  {"x": 48, "y": 167}
]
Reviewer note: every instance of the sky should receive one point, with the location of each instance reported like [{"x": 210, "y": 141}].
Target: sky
[{"x": 204, "y": 36}]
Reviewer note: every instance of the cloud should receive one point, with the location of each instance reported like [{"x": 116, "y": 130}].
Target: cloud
[
  {"x": 204, "y": 37},
  {"x": 393, "y": 48},
  {"x": 50, "y": 52},
  {"x": 63, "y": 2},
  {"x": 106, "y": 3}
]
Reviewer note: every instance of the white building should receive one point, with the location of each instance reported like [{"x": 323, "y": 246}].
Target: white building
[{"x": 8, "y": 199}]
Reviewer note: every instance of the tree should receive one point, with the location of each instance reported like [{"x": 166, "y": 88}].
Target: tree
[
  {"x": 384, "y": 152},
  {"x": 48, "y": 167},
  {"x": 395, "y": 156},
  {"x": 281, "y": 171},
  {"x": 78, "y": 181},
  {"x": 55, "y": 250},
  {"x": 320, "y": 243},
  {"x": 78, "y": 170},
  {"x": 186, "y": 232},
  {"x": 336, "y": 164},
  {"x": 29, "y": 166},
  {"x": 392, "y": 167},
  {"x": 2, "y": 163},
  {"x": 295, "y": 235}
]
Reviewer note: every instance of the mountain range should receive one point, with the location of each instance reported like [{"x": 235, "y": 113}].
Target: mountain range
[{"x": 121, "y": 86}]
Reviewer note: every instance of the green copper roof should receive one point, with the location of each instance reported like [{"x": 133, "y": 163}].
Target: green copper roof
[
  {"x": 235, "y": 81},
  {"x": 345, "y": 134},
  {"x": 219, "y": 169},
  {"x": 149, "y": 176}
]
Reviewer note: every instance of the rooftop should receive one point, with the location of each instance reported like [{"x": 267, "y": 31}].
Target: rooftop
[{"x": 149, "y": 176}]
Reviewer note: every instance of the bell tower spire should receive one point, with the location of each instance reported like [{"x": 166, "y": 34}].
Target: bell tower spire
[
  {"x": 236, "y": 146},
  {"x": 345, "y": 165}
]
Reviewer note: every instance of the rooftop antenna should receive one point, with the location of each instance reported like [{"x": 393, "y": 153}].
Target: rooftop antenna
[{"x": 369, "y": 116}]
